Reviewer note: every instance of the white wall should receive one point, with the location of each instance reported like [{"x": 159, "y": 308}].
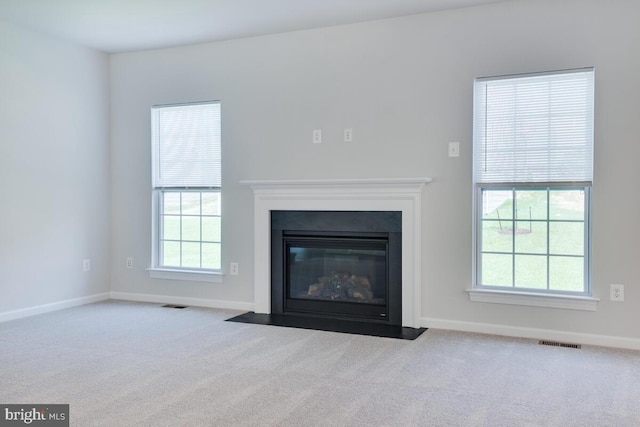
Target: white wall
[
  {"x": 54, "y": 170},
  {"x": 405, "y": 87}
]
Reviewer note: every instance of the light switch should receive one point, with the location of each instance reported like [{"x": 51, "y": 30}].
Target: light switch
[{"x": 454, "y": 149}]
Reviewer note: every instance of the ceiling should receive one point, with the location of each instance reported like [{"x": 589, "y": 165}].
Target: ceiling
[{"x": 130, "y": 25}]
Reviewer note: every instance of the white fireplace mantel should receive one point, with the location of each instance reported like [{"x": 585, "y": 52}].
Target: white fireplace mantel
[{"x": 386, "y": 194}]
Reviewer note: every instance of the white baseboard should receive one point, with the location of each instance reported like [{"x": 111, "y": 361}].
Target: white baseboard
[
  {"x": 54, "y": 306},
  {"x": 533, "y": 333},
  {"x": 197, "y": 302}
]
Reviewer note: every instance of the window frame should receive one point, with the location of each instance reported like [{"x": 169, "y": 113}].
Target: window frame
[
  {"x": 586, "y": 221},
  {"x": 164, "y": 271},
  {"x": 519, "y": 295}
]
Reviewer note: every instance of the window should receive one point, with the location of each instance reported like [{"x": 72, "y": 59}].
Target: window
[
  {"x": 533, "y": 170},
  {"x": 186, "y": 187}
]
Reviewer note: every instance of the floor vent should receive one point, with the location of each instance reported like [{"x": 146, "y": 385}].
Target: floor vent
[
  {"x": 559, "y": 344},
  {"x": 174, "y": 306}
]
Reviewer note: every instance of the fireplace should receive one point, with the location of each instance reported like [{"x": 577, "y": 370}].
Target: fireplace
[
  {"x": 373, "y": 194},
  {"x": 337, "y": 264}
]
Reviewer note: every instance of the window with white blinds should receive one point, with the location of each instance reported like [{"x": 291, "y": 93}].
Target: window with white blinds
[
  {"x": 535, "y": 128},
  {"x": 186, "y": 146},
  {"x": 533, "y": 171},
  {"x": 186, "y": 175}
]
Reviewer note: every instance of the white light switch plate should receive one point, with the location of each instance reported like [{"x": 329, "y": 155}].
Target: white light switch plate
[{"x": 454, "y": 149}]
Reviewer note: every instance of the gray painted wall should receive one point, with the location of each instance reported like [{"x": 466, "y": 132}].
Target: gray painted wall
[
  {"x": 405, "y": 87},
  {"x": 54, "y": 170}
]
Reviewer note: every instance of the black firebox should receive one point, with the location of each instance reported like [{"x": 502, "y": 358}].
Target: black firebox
[{"x": 337, "y": 264}]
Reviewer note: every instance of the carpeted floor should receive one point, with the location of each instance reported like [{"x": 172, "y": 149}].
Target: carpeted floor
[{"x": 133, "y": 364}]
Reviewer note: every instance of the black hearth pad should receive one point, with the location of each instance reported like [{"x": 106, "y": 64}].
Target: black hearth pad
[{"x": 331, "y": 325}]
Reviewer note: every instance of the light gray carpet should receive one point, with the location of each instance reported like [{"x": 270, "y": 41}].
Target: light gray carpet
[{"x": 132, "y": 364}]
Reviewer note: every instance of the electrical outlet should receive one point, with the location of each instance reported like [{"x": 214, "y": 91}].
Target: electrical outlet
[
  {"x": 616, "y": 292},
  {"x": 86, "y": 264},
  {"x": 234, "y": 269},
  {"x": 129, "y": 262},
  {"x": 317, "y": 136},
  {"x": 348, "y": 135}
]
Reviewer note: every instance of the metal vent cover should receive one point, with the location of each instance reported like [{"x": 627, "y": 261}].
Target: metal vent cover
[{"x": 559, "y": 344}]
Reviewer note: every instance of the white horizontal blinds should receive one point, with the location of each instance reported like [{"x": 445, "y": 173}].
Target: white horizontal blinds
[
  {"x": 534, "y": 128},
  {"x": 186, "y": 146}
]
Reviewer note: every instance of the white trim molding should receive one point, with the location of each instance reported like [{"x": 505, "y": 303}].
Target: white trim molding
[
  {"x": 533, "y": 299},
  {"x": 194, "y": 302},
  {"x": 384, "y": 194},
  {"x": 54, "y": 306},
  {"x": 194, "y": 276},
  {"x": 533, "y": 333}
]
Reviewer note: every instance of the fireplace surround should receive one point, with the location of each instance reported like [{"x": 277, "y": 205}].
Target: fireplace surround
[
  {"x": 402, "y": 195},
  {"x": 337, "y": 264}
]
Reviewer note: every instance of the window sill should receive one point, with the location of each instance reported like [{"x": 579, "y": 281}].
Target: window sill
[
  {"x": 194, "y": 276},
  {"x": 533, "y": 299}
]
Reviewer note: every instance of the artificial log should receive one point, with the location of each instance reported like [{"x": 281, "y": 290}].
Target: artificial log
[{"x": 341, "y": 286}]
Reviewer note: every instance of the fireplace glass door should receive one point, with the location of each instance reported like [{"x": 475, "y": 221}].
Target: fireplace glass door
[{"x": 339, "y": 275}]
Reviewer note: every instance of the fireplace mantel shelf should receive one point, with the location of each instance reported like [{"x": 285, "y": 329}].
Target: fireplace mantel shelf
[
  {"x": 361, "y": 194},
  {"x": 336, "y": 182}
]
